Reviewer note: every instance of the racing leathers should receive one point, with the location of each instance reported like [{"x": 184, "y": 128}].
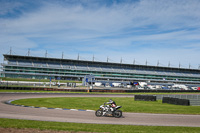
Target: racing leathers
[{"x": 112, "y": 104}]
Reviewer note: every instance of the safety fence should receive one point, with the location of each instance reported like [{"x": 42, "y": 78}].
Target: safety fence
[
  {"x": 184, "y": 99},
  {"x": 145, "y": 98},
  {"x": 176, "y": 101},
  {"x": 84, "y": 88},
  {"x": 194, "y": 99}
]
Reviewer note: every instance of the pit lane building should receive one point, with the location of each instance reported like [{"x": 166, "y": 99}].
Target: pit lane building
[{"x": 17, "y": 66}]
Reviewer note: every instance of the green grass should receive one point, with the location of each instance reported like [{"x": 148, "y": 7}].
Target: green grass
[
  {"x": 75, "y": 127},
  {"x": 93, "y": 103}
]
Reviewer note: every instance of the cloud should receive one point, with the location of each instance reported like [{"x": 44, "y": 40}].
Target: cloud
[
  {"x": 9, "y": 7},
  {"x": 119, "y": 29}
]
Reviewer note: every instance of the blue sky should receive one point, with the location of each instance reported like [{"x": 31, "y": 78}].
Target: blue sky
[{"x": 140, "y": 30}]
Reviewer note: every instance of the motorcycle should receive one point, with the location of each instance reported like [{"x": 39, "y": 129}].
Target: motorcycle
[{"x": 107, "y": 110}]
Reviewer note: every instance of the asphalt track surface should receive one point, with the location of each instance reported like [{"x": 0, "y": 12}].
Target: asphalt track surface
[{"x": 27, "y": 113}]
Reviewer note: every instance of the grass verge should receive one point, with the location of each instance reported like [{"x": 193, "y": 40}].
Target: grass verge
[
  {"x": 76, "y": 127},
  {"x": 128, "y": 104}
]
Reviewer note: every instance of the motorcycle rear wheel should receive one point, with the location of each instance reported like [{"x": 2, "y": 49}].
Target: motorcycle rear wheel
[
  {"x": 117, "y": 114},
  {"x": 99, "y": 113}
]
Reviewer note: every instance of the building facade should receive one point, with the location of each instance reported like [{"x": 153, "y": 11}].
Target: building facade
[{"x": 17, "y": 66}]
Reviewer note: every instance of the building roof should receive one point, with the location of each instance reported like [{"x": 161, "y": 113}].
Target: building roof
[{"x": 47, "y": 59}]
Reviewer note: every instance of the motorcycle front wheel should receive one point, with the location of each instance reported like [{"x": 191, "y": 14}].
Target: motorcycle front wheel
[
  {"x": 99, "y": 113},
  {"x": 117, "y": 113}
]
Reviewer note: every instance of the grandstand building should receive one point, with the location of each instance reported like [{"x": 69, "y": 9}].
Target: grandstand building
[{"x": 16, "y": 66}]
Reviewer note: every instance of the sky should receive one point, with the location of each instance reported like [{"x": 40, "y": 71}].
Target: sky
[{"x": 156, "y": 32}]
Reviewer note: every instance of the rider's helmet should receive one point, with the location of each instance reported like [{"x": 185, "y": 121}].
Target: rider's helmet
[{"x": 110, "y": 100}]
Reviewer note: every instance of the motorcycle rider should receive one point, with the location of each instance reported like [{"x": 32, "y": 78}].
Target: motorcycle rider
[
  {"x": 112, "y": 104},
  {"x": 109, "y": 109}
]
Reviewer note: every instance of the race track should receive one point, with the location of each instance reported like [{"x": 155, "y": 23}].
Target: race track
[{"x": 28, "y": 113}]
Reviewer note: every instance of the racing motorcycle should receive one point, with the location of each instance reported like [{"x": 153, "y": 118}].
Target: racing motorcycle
[{"x": 107, "y": 110}]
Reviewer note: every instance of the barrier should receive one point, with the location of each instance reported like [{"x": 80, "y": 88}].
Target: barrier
[
  {"x": 99, "y": 90},
  {"x": 165, "y": 99},
  {"x": 145, "y": 98},
  {"x": 176, "y": 101}
]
